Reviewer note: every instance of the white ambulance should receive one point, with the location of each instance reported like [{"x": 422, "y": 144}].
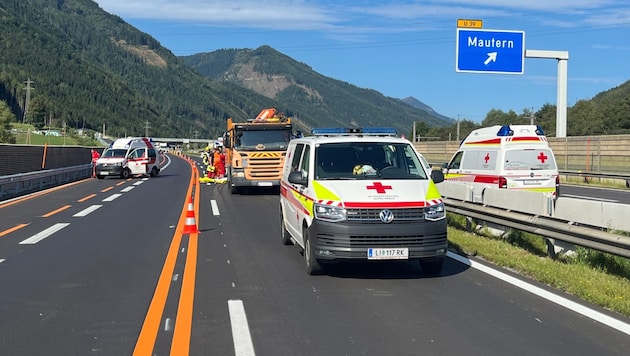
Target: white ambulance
[
  {"x": 361, "y": 195},
  {"x": 504, "y": 157},
  {"x": 128, "y": 157}
]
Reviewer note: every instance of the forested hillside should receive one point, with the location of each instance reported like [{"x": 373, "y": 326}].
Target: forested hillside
[
  {"x": 91, "y": 69},
  {"x": 608, "y": 113},
  {"x": 314, "y": 99}
]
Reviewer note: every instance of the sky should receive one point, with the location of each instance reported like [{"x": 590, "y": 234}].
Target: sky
[{"x": 404, "y": 48}]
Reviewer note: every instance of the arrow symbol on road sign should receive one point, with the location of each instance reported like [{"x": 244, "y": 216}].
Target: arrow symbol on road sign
[{"x": 492, "y": 57}]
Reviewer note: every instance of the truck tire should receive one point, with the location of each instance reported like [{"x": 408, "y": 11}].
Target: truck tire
[{"x": 313, "y": 267}]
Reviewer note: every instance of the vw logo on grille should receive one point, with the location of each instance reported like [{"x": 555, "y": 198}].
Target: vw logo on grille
[{"x": 386, "y": 216}]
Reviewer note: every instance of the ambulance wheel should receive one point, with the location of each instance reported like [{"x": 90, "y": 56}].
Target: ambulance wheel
[
  {"x": 100, "y": 177},
  {"x": 126, "y": 173},
  {"x": 312, "y": 264},
  {"x": 432, "y": 267},
  {"x": 154, "y": 172},
  {"x": 284, "y": 234}
]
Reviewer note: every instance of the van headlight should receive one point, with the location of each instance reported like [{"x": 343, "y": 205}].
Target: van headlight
[
  {"x": 435, "y": 212},
  {"x": 329, "y": 213}
]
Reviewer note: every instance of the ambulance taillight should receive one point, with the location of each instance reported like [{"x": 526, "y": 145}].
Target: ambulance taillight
[{"x": 502, "y": 183}]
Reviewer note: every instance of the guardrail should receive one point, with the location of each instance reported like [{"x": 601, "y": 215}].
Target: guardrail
[
  {"x": 24, "y": 183},
  {"x": 551, "y": 229},
  {"x": 587, "y": 176},
  {"x": 572, "y": 221}
]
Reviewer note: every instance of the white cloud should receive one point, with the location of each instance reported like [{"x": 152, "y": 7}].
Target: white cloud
[{"x": 353, "y": 15}]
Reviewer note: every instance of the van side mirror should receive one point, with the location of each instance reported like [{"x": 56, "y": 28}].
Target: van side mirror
[
  {"x": 437, "y": 176},
  {"x": 226, "y": 142},
  {"x": 296, "y": 177}
]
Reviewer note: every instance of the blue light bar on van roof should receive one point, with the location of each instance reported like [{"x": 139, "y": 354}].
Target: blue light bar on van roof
[
  {"x": 357, "y": 131},
  {"x": 506, "y": 130}
]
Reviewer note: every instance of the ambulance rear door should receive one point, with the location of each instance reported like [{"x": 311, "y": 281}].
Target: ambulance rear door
[{"x": 530, "y": 169}]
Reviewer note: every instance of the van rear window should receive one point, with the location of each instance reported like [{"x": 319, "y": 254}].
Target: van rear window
[{"x": 529, "y": 159}]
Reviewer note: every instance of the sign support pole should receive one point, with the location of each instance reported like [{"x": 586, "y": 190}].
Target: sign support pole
[{"x": 561, "y": 100}]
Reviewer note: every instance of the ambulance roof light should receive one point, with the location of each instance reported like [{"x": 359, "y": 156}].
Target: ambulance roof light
[
  {"x": 506, "y": 130},
  {"x": 348, "y": 131}
]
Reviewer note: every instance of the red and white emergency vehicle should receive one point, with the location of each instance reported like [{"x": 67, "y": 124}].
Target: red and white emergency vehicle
[
  {"x": 505, "y": 157},
  {"x": 128, "y": 157},
  {"x": 361, "y": 195}
]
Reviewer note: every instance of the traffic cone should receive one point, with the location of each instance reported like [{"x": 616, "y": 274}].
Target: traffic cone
[{"x": 190, "y": 226}]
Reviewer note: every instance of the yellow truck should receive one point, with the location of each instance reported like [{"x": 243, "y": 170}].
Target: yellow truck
[{"x": 255, "y": 150}]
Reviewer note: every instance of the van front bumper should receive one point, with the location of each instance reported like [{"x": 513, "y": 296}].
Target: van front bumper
[
  {"x": 108, "y": 170},
  {"x": 351, "y": 240}
]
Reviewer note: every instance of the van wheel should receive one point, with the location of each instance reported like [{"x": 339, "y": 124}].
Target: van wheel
[
  {"x": 100, "y": 177},
  {"x": 126, "y": 173},
  {"x": 432, "y": 267},
  {"x": 154, "y": 172},
  {"x": 313, "y": 267},
  {"x": 284, "y": 234}
]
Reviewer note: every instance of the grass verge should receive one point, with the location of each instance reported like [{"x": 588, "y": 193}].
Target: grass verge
[{"x": 593, "y": 276}]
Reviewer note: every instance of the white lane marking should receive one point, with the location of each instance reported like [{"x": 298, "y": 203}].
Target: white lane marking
[
  {"x": 127, "y": 189},
  {"x": 112, "y": 197},
  {"x": 86, "y": 211},
  {"x": 240, "y": 329},
  {"x": 2, "y": 260},
  {"x": 138, "y": 182},
  {"x": 215, "y": 207},
  {"x": 44, "y": 234},
  {"x": 554, "y": 298},
  {"x": 589, "y": 198}
]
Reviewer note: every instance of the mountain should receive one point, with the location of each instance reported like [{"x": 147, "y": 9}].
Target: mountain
[
  {"x": 90, "y": 69},
  {"x": 422, "y": 106},
  {"x": 305, "y": 95}
]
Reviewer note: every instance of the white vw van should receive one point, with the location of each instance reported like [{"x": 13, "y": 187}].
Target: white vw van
[
  {"x": 505, "y": 157},
  {"x": 361, "y": 195},
  {"x": 128, "y": 157}
]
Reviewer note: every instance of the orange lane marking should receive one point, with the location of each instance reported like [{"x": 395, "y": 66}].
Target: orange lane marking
[
  {"x": 56, "y": 211},
  {"x": 15, "y": 228},
  {"x": 86, "y": 198},
  {"x": 152, "y": 321},
  {"x": 107, "y": 189},
  {"x": 121, "y": 183},
  {"x": 183, "y": 322}
]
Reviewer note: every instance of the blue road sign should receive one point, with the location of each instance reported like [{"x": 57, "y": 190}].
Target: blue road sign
[{"x": 490, "y": 51}]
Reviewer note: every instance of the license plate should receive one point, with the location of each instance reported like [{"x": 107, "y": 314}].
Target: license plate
[
  {"x": 265, "y": 184},
  {"x": 388, "y": 253},
  {"x": 104, "y": 173},
  {"x": 532, "y": 182}
]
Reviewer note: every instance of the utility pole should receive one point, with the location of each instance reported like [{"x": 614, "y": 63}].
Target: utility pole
[
  {"x": 28, "y": 97},
  {"x": 531, "y": 117},
  {"x": 146, "y": 128},
  {"x": 457, "y": 128}
]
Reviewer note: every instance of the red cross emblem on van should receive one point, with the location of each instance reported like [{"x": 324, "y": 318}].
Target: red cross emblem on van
[
  {"x": 542, "y": 157},
  {"x": 379, "y": 187}
]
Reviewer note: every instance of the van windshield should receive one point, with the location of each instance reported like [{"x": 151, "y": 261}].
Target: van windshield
[
  {"x": 114, "y": 153},
  {"x": 367, "y": 160},
  {"x": 529, "y": 159}
]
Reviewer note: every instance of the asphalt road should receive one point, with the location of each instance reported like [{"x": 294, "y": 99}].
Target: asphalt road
[{"x": 120, "y": 276}]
